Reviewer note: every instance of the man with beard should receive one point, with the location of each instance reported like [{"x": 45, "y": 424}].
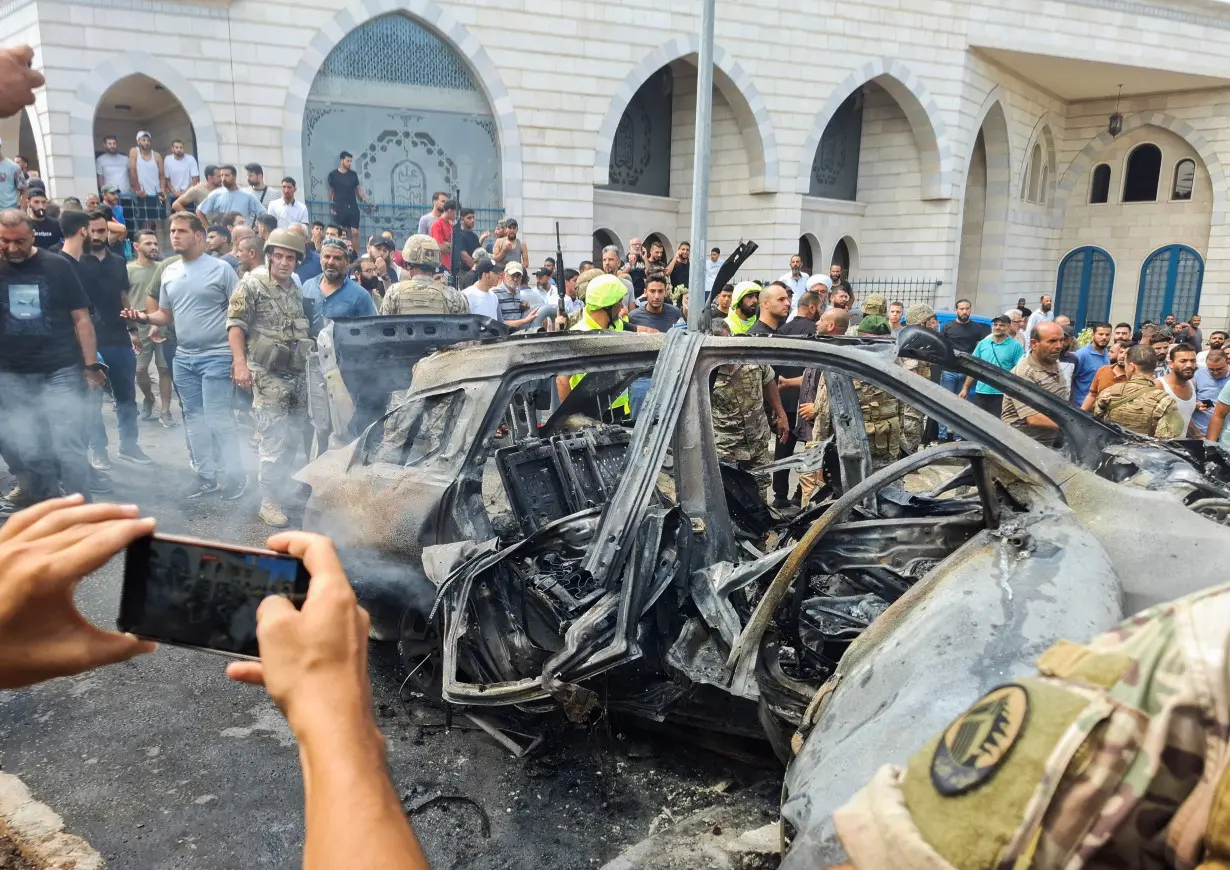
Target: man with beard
[
  {"x": 371, "y": 281},
  {"x": 1209, "y": 382},
  {"x": 333, "y": 294},
  {"x": 1021, "y": 307},
  {"x": 1044, "y": 314},
  {"x": 1178, "y": 384},
  {"x": 145, "y": 173},
  {"x": 677, "y": 270},
  {"x": 248, "y": 253},
  {"x": 1138, "y": 403},
  {"x": 111, "y": 167},
  {"x": 181, "y": 172},
  {"x": 229, "y": 198},
  {"x": 269, "y": 338},
  {"x": 47, "y": 232},
  {"x": 1217, "y": 341},
  {"x": 509, "y": 249},
  {"x": 48, "y": 356},
  {"x": 741, "y": 393},
  {"x": 771, "y": 320},
  {"x": 1123, "y": 332},
  {"x": 104, "y": 276},
  {"x": 964, "y": 335},
  {"x": 1088, "y": 360},
  {"x": 1108, "y": 375},
  {"x": 142, "y": 274},
  {"x": 1040, "y": 366},
  {"x": 795, "y": 280}
]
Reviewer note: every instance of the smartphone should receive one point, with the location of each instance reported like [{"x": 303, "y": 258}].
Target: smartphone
[{"x": 203, "y": 595}]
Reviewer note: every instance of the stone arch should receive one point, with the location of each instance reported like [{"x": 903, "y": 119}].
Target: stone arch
[
  {"x": 119, "y": 66},
  {"x": 441, "y": 22},
  {"x": 1042, "y": 135},
  {"x": 811, "y": 250},
  {"x": 1085, "y": 160},
  {"x": 930, "y": 133},
  {"x": 736, "y": 86},
  {"x": 992, "y": 228},
  {"x": 604, "y": 236}
]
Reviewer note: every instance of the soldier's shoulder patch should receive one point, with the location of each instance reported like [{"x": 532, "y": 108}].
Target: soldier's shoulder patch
[{"x": 975, "y": 745}]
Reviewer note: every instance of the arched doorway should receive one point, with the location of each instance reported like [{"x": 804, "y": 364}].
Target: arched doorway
[
  {"x": 845, "y": 254},
  {"x": 602, "y": 238},
  {"x": 984, "y": 224},
  {"x": 406, "y": 105},
  {"x": 1084, "y": 286},
  {"x": 807, "y": 252},
  {"x": 661, "y": 239},
  {"x": 1170, "y": 283},
  {"x": 139, "y": 103}
]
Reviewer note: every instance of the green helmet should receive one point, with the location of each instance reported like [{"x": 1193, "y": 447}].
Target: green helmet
[
  {"x": 422, "y": 251},
  {"x": 291, "y": 241},
  {"x": 604, "y": 292}
]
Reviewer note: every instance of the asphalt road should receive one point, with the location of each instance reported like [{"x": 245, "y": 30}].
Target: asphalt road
[{"x": 164, "y": 763}]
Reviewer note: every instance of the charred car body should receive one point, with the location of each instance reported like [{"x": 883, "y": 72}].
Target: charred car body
[{"x": 518, "y": 562}]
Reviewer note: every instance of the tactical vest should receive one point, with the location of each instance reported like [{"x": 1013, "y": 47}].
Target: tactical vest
[
  {"x": 278, "y": 339},
  {"x": 1114, "y": 755}
]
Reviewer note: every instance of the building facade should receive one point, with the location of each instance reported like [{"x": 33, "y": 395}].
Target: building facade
[{"x": 962, "y": 147}]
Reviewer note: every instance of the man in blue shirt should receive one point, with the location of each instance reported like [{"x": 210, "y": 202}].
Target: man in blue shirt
[
  {"x": 1210, "y": 381},
  {"x": 332, "y": 294},
  {"x": 1001, "y": 351},
  {"x": 1088, "y": 360}
]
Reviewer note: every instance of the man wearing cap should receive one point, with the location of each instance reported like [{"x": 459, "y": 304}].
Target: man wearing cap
[
  {"x": 1001, "y": 351},
  {"x": 509, "y": 248},
  {"x": 12, "y": 182},
  {"x": 516, "y": 312},
  {"x": 269, "y": 337},
  {"x": 146, "y": 175},
  {"x": 111, "y": 199},
  {"x": 421, "y": 293},
  {"x": 111, "y": 167},
  {"x": 333, "y": 293},
  {"x": 874, "y": 305}
]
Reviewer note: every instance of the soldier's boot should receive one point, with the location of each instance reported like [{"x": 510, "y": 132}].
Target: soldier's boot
[{"x": 271, "y": 514}]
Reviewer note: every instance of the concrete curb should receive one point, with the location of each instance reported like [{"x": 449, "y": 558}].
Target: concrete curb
[{"x": 39, "y": 831}]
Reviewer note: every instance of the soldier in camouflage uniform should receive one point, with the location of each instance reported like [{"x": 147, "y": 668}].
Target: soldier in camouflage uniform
[
  {"x": 913, "y": 421},
  {"x": 881, "y": 410},
  {"x": 422, "y": 293},
  {"x": 1139, "y": 403},
  {"x": 815, "y": 422},
  {"x": 269, "y": 337},
  {"x": 741, "y": 394},
  {"x": 1115, "y": 755}
]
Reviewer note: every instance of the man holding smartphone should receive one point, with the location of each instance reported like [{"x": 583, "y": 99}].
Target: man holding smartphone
[{"x": 313, "y": 665}]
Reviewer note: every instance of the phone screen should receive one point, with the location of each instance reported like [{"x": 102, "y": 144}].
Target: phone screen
[{"x": 195, "y": 593}]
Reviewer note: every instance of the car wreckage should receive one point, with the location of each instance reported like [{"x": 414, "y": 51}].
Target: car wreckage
[{"x": 537, "y": 555}]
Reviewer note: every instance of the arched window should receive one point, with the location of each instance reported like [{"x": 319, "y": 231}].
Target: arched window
[
  {"x": 1099, "y": 186},
  {"x": 1033, "y": 174},
  {"x": 1086, "y": 277},
  {"x": 1184, "y": 179},
  {"x": 1044, "y": 184},
  {"x": 1144, "y": 170},
  {"x": 1170, "y": 283}
]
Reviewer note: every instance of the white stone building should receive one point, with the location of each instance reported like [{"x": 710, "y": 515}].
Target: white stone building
[{"x": 922, "y": 141}]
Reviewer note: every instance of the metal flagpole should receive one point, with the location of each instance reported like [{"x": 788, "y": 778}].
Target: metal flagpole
[{"x": 700, "y": 165}]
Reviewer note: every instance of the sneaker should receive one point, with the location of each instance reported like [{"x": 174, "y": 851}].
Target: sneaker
[
  {"x": 271, "y": 514},
  {"x": 167, "y": 421},
  {"x": 100, "y": 484},
  {"x": 99, "y": 460},
  {"x": 133, "y": 453},
  {"x": 235, "y": 488},
  {"x": 147, "y": 409},
  {"x": 204, "y": 486}
]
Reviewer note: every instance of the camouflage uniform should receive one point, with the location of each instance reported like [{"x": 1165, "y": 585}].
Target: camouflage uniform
[
  {"x": 813, "y": 391},
  {"x": 914, "y": 421},
  {"x": 882, "y": 422},
  {"x": 278, "y": 343},
  {"x": 740, "y": 426},
  {"x": 1114, "y": 756},
  {"x": 424, "y": 295},
  {"x": 1141, "y": 405}
]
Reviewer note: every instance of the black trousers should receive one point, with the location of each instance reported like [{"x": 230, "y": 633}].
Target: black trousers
[
  {"x": 781, "y": 479},
  {"x": 992, "y": 404}
]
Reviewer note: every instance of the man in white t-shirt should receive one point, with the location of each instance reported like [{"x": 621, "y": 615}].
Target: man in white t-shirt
[
  {"x": 796, "y": 280},
  {"x": 481, "y": 294},
  {"x": 112, "y": 167},
  {"x": 1044, "y": 314},
  {"x": 181, "y": 171},
  {"x": 287, "y": 209}
]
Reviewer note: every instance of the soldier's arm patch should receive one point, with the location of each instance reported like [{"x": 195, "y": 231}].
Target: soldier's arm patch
[{"x": 974, "y": 746}]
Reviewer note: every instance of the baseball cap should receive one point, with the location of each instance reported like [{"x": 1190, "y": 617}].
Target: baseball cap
[
  {"x": 514, "y": 268},
  {"x": 141, "y": 133},
  {"x": 380, "y": 242},
  {"x": 485, "y": 267},
  {"x": 816, "y": 280},
  {"x": 538, "y": 273},
  {"x": 110, "y": 188}
]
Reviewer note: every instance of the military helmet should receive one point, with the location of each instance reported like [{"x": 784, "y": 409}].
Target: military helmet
[
  {"x": 422, "y": 251},
  {"x": 291, "y": 241},
  {"x": 604, "y": 292}
]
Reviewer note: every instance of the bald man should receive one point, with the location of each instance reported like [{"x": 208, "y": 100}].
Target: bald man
[
  {"x": 814, "y": 424},
  {"x": 1041, "y": 366}
]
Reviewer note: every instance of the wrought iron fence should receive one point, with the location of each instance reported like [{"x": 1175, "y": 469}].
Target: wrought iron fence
[
  {"x": 907, "y": 291},
  {"x": 401, "y": 220}
]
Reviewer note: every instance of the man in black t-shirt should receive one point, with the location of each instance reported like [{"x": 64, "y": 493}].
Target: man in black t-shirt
[
  {"x": 467, "y": 239},
  {"x": 46, "y": 340},
  {"x": 47, "y": 232},
  {"x": 964, "y": 334},
  {"x": 345, "y": 192}
]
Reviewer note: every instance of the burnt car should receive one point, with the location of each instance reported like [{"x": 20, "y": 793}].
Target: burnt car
[{"x": 538, "y": 555}]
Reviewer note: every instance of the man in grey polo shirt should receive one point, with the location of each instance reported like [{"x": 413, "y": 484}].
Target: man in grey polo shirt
[{"x": 194, "y": 294}]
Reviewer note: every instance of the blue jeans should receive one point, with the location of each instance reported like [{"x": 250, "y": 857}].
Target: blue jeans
[
  {"x": 42, "y": 426},
  {"x": 203, "y": 382},
  {"x": 952, "y": 382},
  {"x": 122, "y": 373},
  {"x": 637, "y": 393}
]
